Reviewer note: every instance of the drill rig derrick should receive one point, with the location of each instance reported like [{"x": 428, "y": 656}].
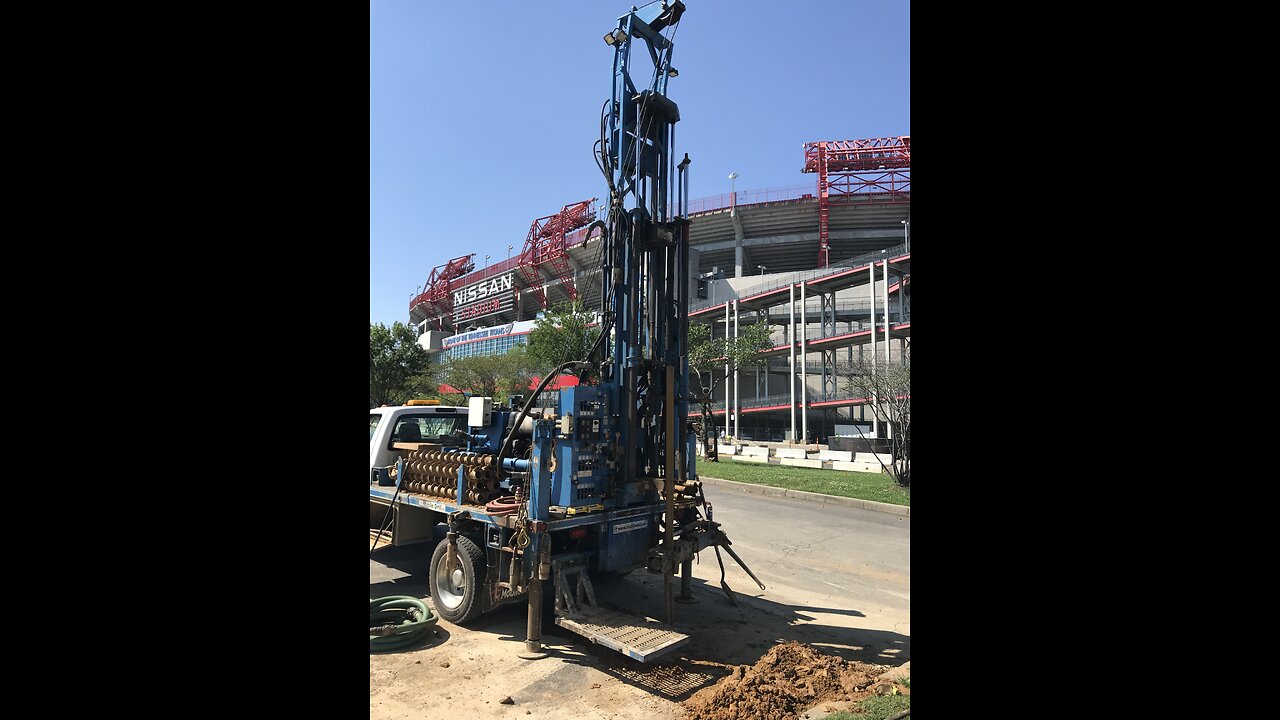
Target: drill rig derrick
[
  {"x": 605, "y": 480},
  {"x": 645, "y": 287}
]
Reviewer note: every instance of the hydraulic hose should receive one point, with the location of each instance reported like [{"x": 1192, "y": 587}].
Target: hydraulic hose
[
  {"x": 524, "y": 411},
  {"x": 527, "y": 405},
  {"x": 398, "y": 621},
  {"x": 604, "y": 238}
]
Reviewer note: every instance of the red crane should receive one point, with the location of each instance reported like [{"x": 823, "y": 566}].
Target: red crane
[
  {"x": 545, "y": 247},
  {"x": 854, "y": 170},
  {"x": 439, "y": 290}
]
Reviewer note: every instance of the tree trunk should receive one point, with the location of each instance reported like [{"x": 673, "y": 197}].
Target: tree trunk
[{"x": 709, "y": 451}]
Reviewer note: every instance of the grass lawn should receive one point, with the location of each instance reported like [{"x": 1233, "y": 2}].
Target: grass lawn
[
  {"x": 876, "y": 708},
  {"x": 866, "y": 486}
]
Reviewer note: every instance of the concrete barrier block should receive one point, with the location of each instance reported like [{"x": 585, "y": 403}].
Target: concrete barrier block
[
  {"x": 871, "y": 458},
  {"x": 797, "y": 453},
  {"x": 856, "y": 466},
  {"x": 751, "y": 458},
  {"x": 753, "y": 450},
  {"x": 801, "y": 463},
  {"x": 841, "y": 455},
  {"x": 725, "y": 449}
]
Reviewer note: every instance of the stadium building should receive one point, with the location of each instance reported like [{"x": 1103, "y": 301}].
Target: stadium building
[{"x": 826, "y": 265}]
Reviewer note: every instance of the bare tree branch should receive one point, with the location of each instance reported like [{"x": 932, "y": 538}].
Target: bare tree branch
[{"x": 890, "y": 387}]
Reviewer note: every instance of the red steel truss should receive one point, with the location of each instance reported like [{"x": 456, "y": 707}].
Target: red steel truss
[
  {"x": 439, "y": 292},
  {"x": 853, "y": 170},
  {"x": 545, "y": 247}
]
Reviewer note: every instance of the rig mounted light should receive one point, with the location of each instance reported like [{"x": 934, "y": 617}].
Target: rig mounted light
[
  {"x": 672, "y": 72},
  {"x": 609, "y": 39}
]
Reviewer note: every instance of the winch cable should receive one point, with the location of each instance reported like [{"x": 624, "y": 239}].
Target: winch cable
[{"x": 398, "y": 621}]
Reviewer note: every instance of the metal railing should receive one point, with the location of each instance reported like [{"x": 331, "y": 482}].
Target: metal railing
[{"x": 754, "y": 197}]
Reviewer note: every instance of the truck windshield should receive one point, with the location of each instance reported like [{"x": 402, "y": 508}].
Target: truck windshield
[{"x": 373, "y": 424}]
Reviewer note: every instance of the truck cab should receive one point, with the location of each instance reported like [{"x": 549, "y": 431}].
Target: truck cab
[{"x": 421, "y": 421}]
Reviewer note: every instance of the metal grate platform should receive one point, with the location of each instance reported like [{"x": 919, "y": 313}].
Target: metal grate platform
[{"x": 632, "y": 636}]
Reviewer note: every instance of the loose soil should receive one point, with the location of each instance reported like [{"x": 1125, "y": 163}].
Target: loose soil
[
  {"x": 468, "y": 672},
  {"x": 790, "y": 677}
]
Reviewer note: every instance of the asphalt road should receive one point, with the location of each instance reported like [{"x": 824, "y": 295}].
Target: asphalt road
[{"x": 825, "y": 556}]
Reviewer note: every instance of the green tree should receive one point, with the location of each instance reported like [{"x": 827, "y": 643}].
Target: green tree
[
  {"x": 396, "y": 363},
  {"x": 564, "y": 333},
  {"x": 495, "y": 376},
  {"x": 707, "y": 354}
]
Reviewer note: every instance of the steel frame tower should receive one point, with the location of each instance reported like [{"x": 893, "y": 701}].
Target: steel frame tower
[
  {"x": 856, "y": 170},
  {"x": 544, "y": 246},
  {"x": 439, "y": 290}
]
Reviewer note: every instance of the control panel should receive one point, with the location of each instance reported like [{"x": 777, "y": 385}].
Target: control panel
[{"x": 583, "y": 453}]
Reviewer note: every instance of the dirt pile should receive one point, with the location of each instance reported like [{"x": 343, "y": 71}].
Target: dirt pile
[{"x": 789, "y": 678}]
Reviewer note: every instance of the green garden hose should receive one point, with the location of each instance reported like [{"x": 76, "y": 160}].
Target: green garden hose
[{"x": 398, "y": 621}]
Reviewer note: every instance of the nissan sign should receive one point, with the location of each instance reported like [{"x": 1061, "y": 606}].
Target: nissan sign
[{"x": 486, "y": 297}]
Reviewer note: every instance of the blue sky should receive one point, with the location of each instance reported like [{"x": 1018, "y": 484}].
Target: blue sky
[{"x": 482, "y": 114}]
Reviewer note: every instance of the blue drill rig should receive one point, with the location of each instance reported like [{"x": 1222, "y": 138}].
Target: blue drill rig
[{"x": 605, "y": 482}]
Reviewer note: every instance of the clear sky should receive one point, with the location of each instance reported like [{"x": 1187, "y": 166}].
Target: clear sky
[{"x": 482, "y": 114}]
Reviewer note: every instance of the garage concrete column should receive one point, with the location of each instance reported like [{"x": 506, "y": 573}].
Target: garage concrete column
[
  {"x": 728, "y": 383},
  {"x": 762, "y": 392},
  {"x": 763, "y": 316},
  {"x": 871, "y": 288},
  {"x": 739, "y": 253},
  {"x": 902, "y": 298},
  {"x": 887, "y": 359},
  {"x": 791, "y": 354},
  {"x": 737, "y": 405},
  {"x": 804, "y": 365},
  {"x": 885, "y": 297}
]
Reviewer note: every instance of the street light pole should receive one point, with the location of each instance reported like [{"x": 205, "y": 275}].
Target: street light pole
[
  {"x": 733, "y": 186},
  {"x": 906, "y": 234},
  {"x": 761, "y": 267},
  {"x": 509, "y": 256},
  {"x": 486, "y": 266}
]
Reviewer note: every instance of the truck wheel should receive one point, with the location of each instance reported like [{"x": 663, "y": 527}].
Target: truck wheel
[{"x": 457, "y": 594}]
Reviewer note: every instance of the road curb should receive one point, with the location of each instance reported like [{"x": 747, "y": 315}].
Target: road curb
[{"x": 769, "y": 491}]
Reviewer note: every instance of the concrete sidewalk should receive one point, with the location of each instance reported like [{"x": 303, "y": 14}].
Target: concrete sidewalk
[{"x": 770, "y": 491}]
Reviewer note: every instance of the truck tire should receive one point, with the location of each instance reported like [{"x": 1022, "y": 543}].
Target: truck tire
[{"x": 457, "y": 595}]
